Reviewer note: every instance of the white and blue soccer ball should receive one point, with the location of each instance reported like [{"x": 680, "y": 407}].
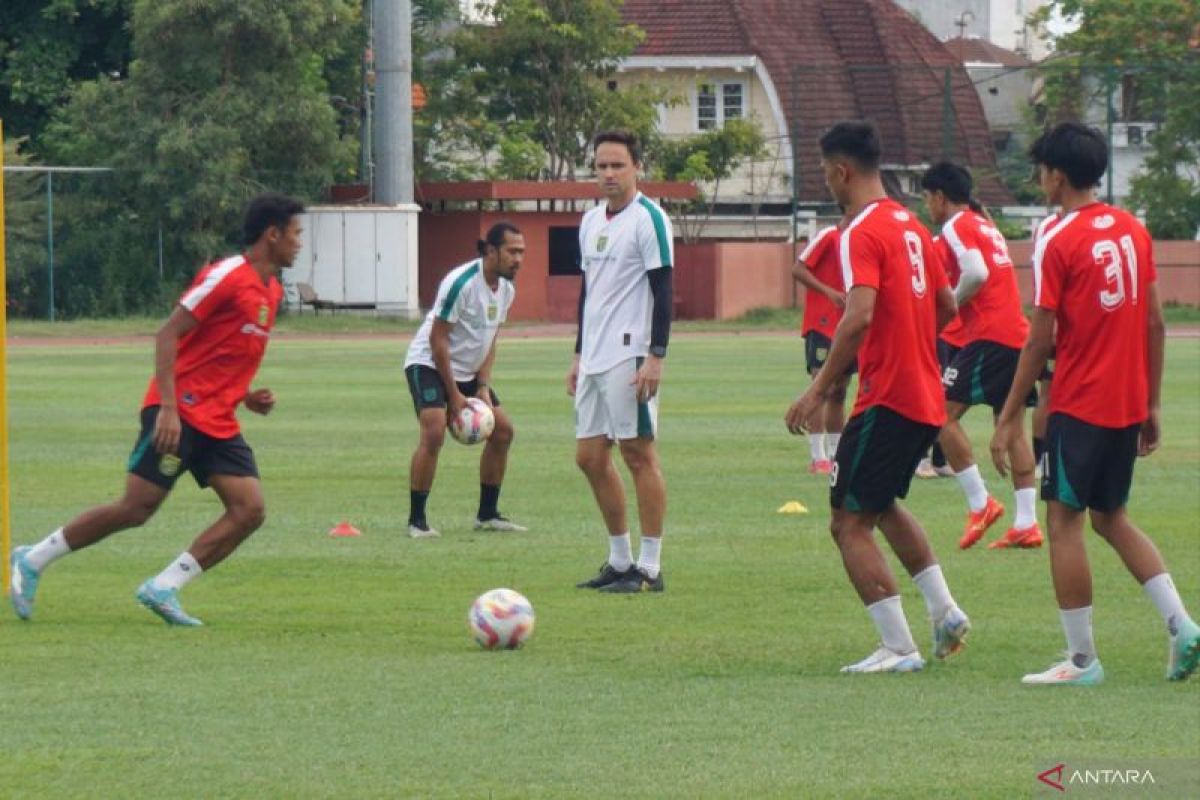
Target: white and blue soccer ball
[
  {"x": 501, "y": 619},
  {"x": 474, "y": 423}
]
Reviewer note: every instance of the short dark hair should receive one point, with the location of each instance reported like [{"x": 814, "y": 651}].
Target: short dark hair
[
  {"x": 950, "y": 179},
  {"x": 495, "y": 236},
  {"x": 858, "y": 140},
  {"x": 269, "y": 210},
  {"x": 1078, "y": 150},
  {"x": 620, "y": 136}
]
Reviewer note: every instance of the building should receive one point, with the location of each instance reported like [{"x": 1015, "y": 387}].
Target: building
[{"x": 1000, "y": 22}]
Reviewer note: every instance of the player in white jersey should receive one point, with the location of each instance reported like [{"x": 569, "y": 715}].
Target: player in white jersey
[
  {"x": 624, "y": 324},
  {"x": 450, "y": 359}
]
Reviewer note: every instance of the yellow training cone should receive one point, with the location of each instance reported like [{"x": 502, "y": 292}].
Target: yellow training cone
[{"x": 793, "y": 507}]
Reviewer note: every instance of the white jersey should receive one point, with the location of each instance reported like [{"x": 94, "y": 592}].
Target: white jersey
[
  {"x": 466, "y": 301},
  {"x": 616, "y": 255}
]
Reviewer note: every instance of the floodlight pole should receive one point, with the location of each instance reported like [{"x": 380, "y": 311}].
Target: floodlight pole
[{"x": 393, "y": 102}]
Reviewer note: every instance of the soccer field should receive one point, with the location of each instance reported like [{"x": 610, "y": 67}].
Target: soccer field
[{"x": 343, "y": 667}]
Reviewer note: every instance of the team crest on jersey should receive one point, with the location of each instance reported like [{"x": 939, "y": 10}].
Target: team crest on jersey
[
  {"x": 492, "y": 312},
  {"x": 902, "y": 216},
  {"x": 1104, "y": 221},
  {"x": 601, "y": 243},
  {"x": 264, "y": 314}
]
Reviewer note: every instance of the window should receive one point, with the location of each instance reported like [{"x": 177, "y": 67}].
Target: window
[
  {"x": 565, "y": 257},
  {"x": 717, "y": 102}
]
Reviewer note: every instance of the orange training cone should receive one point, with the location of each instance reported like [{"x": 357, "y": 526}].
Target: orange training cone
[{"x": 344, "y": 529}]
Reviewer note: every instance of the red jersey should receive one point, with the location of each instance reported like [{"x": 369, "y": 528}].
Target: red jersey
[
  {"x": 994, "y": 312},
  {"x": 821, "y": 258},
  {"x": 218, "y": 358},
  {"x": 886, "y": 248},
  {"x": 954, "y": 333},
  {"x": 1093, "y": 269}
]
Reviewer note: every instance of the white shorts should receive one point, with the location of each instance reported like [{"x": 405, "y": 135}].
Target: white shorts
[{"x": 606, "y": 405}]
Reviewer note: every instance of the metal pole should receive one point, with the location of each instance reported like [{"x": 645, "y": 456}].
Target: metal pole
[
  {"x": 947, "y": 117},
  {"x": 393, "y": 95},
  {"x": 50, "y": 234},
  {"x": 366, "y": 174},
  {"x": 5, "y": 529},
  {"x": 1109, "y": 85}
]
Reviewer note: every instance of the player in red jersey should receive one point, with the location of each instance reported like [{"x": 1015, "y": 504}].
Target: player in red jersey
[
  {"x": 1097, "y": 308},
  {"x": 898, "y": 298},
  {"x": 205, "y": 357},
  {"x": 950, "y": 340},
  {"x": 819, "y": 270},
  {"x": 993, "y": 330}
]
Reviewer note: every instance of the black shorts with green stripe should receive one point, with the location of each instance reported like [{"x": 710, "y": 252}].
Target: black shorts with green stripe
[
  {"x": 1088, "y": 466},
  {"x": 876, "y": 458},
  {"x": 200, "y": 454},
  {"x": 427, "y": 390},
  {"x": 981, "y": 373}
]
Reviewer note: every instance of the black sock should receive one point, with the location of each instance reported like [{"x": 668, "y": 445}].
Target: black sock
[
  {"x": 1039, "y": 447},
  {"x": 416, "y": 508},
  {"x": 936, "y": 456},
  {"x": 489, "y": 500}
]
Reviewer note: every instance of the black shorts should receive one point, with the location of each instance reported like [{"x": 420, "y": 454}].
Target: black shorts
[
  {"x": 1087, "y": 466},
  {"x": 875, "y": 460},
  {"x": 427, "y": 390},
  {"x": 982, "y": 373},
  {"x": 816, "y": 350},
  {"x": 946, "y": 352},
  {"x": 200, "y": 454}
]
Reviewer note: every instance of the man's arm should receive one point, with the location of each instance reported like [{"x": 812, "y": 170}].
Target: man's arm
[
  {"x": 483, "y": 378},
  {"x": 1034, "y": 355},
  {"x": 573, "y": 372},
  {"x": 439, "y": 345},
  {"x": 650, "y": 374},
  {"x": 166, "y": 346},
  {"x": 947, "y": 308},
  {"x": 805, "y": 277},
  {"x": 973, "y": 274},
  {"x": 1156, "y": 336},
  {"x": 860, "y": 308}
]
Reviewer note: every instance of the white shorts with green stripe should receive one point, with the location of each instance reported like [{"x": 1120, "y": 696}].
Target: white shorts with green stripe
[{"x": 606, "y": 405}]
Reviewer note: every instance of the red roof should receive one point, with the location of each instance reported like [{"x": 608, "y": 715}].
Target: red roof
[
  {"x": 849, "y": 59},
  {"x": 972, "y": 49}
]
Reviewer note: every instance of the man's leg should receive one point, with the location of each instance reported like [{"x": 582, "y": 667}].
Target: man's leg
[
  {"x": 984, "y": 509},
  {"x": 423, "y": 467},
  {"x": 492, "y": 464},
  {"x": 1143, "y": 561},
  {"x": 641, "y": 457},
  {"x": 1024, "y": 531},
  {"x": 835, "y": 416},
  {"x": 138, "y": 503},
  {"x": 593, "y": 457}
]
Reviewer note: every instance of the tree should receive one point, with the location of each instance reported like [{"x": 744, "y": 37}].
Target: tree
[
  {"x": 707, "y": 159},
  {"x": 224, "y": 99},
  {"x": 539, "y": 78},
  {"x": 1151, "y": 50}
]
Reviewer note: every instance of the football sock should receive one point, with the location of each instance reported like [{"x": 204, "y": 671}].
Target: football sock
[
  {"x": 648, "y": 559},
  {"x": 888, "y": 616},
  {"x": 1161, "y": 591},
  {"x": 1039, "y": 447},
  {"x": 933, "y": 587},
  {"x": 831, "y": 444},
  {"x": 178, "y": 573},
  {"x": 816, "y": 446},
  {"x": 489, "y": 501},
  {"x": 1077, "y": 625},
  {"x": 620, "y": 555},
  {"x": 48, "y": 550},
  {"x": 972, "y": 485},
  {"x": 1026, "y": 516},
  {"x": 416, "y": 507}
]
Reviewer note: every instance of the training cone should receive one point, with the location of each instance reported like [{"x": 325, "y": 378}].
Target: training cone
[
  {"x": 344, "y": 529},
  {"x": 793, "y": 507}
]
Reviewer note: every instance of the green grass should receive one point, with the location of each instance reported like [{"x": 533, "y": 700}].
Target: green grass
[{"x": 343, "y": 668}]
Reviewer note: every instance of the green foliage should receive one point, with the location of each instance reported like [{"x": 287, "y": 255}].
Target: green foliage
[
  {"x": 24, "y": 231},
  {"x": 543, "y": 65},
  {"x": 1148, "y": 49}
]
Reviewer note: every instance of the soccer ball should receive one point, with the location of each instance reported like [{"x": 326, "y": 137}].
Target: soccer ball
[
  {"x": 500, "y": 619},
  {"x": 474, "y": 423}
]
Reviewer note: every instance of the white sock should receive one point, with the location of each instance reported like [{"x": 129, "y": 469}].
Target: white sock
[
  {"x": 648, "y": 559},
  {"x": 973, "y": 487},
  {"x": 1077, "y": 625},
  {"x": 888, "y": 616},
  {"x": 1026, "y": 508},
  {"x": 620, "y": 555},
  {"x": 831, "y": 444},
  {"x": 178, "y": 572},
  {"x": 933, "y": 587},
  {"x": 816, "y": 446},
  {"x": 48, "y": 550},
  {"x": 1161, "y": 591}
]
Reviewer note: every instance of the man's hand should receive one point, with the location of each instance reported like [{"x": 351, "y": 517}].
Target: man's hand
[
  {"x": 837, "y": 298},
  {"x": 167, "y": 428},
  {"x": 260, "y": 401},
  {"x": 573, "y": 377},
  {"x": 800, "y": 414},
  {"x": 646, "y": 379},
  {"x": 1006, "y": 435},
  {"x": 455, "y": 402},
  {"x": 1150, "y": 434},
  {"x": 484, "y": 393}
]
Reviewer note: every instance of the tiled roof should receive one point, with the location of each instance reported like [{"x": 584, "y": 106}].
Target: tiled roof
[
  {"x": 972, "y": 49},
  {"x": 833, "y": 60}
]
